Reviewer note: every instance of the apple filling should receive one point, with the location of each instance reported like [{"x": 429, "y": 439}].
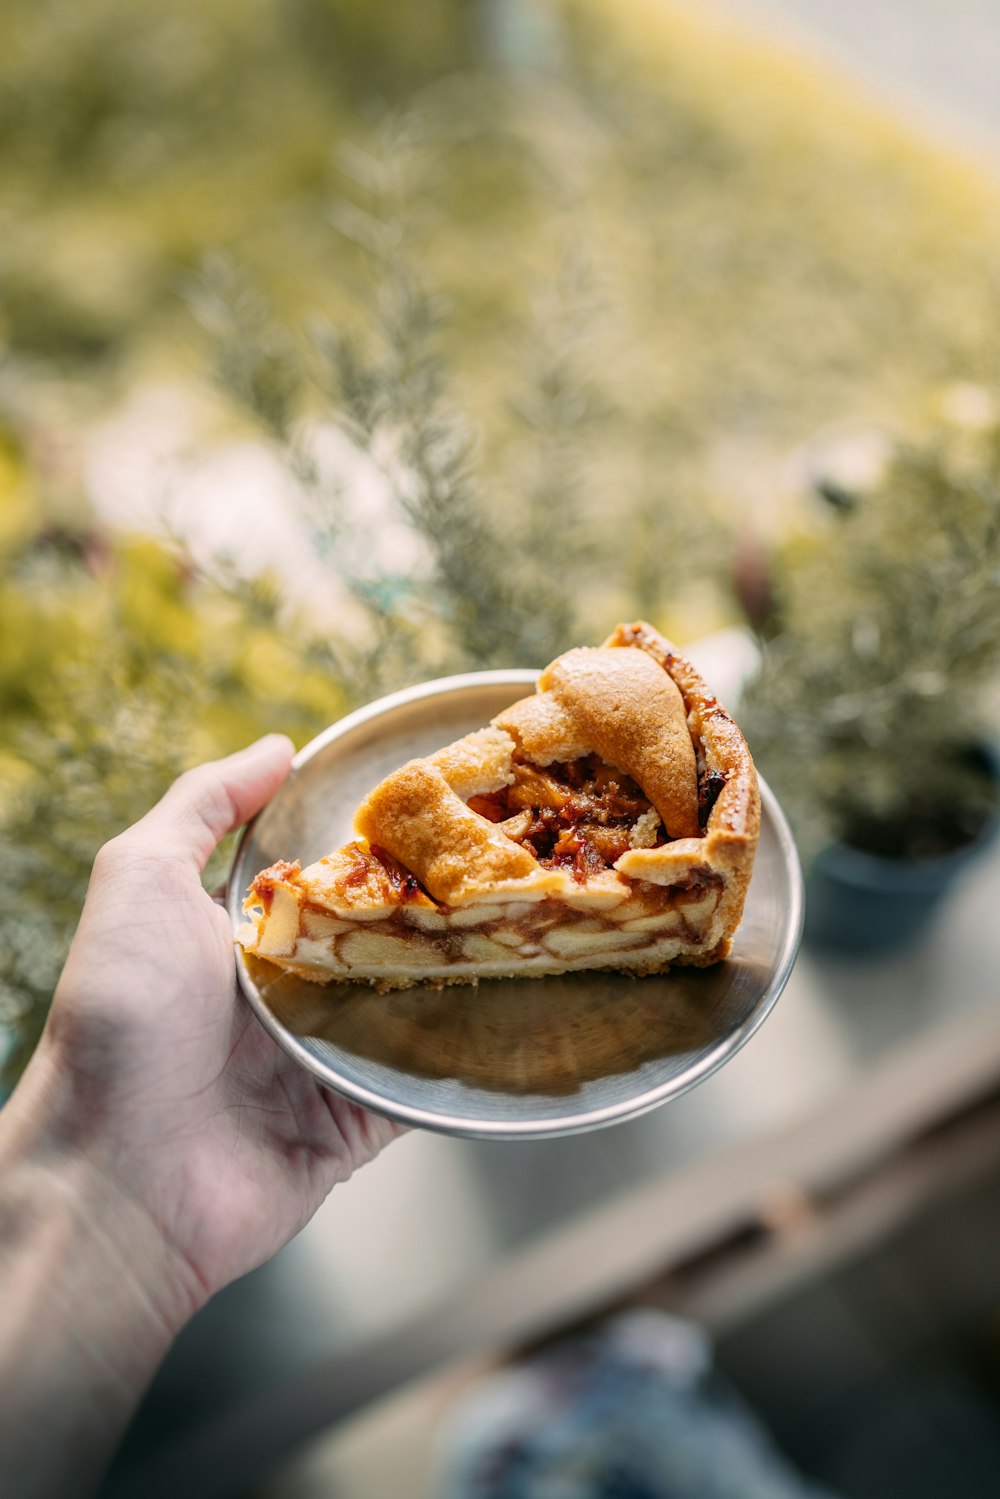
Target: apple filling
[
  {"x": 375, "y": 922},
  {"x": 646, "y": 928}
]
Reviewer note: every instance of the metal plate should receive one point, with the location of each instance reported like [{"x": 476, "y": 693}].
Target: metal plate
[{"x": 506, "y": 1058}]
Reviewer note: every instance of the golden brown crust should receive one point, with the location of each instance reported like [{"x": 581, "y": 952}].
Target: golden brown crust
[
  {"x": 542, "y": 730},
  {"x": 729, "y": 842},
  {"x": 477, "y": 764},
  {"x": 453, "y": 852}
]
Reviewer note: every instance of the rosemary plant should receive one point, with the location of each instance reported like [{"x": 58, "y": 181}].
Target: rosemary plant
[
  {"x": 503, "y": 561},
  {"x": 876, "y": 702}
]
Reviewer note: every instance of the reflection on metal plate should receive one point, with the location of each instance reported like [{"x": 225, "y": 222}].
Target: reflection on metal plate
[{"x": 507, "y": 1057}]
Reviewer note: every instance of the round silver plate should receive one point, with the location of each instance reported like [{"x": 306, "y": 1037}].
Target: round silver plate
[{"x": 505, "y": 1058}]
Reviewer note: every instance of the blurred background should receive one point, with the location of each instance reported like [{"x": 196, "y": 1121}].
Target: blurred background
[{"x": 345, "y": 344}]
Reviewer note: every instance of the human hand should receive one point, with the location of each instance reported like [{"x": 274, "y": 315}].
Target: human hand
[
  {"x": 159, "y": 1144},
  {"x": 157, "y": 1070}
]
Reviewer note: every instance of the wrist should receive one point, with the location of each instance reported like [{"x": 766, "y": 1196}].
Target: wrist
[
  {"x": 61, "y": 1186},
  {"x": 90, "y": 1300}
]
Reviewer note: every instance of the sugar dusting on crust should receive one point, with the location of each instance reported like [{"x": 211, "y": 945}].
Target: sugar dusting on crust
[{"x": 646, "y": 830}]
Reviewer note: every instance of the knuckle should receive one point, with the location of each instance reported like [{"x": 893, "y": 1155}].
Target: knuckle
[
  {"x": 120, "y": 856},
  {"x": 209, "y": 798},
  {"x": 192, "y": 783},
  {"x": 110, "y": 857}
]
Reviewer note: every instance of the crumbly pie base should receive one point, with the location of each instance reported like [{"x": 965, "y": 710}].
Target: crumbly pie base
[{"x": 610, "y": 820}]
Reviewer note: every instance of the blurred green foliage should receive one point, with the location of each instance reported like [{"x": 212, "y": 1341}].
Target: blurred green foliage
[
  {"x": 571, "y": 276},
  {"x": 762, "y": 249},
  {"x": 131, "y": 139},
  {"x": 120, "y": 669}
]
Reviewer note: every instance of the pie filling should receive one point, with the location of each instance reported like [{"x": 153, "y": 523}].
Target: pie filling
[
  {"x": 579, "y": 815},
  {"x": 542, "y": 935},
  {"x": 376, "y": 921}
]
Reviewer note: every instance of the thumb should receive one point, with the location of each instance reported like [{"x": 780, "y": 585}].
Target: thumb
[{"x": 206, "y": 803}]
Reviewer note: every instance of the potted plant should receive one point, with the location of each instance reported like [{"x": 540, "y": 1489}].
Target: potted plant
[{"x": 875, "y": 707}]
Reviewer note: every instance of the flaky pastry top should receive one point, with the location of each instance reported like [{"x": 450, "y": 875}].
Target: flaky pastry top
[{"x": 639, "y": 706}]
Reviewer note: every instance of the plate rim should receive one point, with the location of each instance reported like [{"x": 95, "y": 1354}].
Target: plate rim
[{"x": 499, "y": 1129}]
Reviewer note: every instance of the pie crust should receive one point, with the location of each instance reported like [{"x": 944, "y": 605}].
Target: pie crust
[{"x": 610, "y": 820}]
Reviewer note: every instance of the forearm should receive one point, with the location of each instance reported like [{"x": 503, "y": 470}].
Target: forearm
[
  {"x": 159, "y": 1145},
  {"x": 87, "y": 1308}
]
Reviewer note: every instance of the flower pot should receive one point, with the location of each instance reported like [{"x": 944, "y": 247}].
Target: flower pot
[{"x": 867, "y": 903}]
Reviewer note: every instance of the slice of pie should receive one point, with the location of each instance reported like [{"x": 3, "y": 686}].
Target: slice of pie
[{"x": 608, "y": 821}]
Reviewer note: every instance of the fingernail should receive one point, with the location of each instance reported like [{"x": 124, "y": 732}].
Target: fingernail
[{"x": 274, "y": 742}]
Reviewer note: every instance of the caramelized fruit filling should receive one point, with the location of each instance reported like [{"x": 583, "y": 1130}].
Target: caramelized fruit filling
[
  {"x": 378, "y": 865},
  {"x": 579, "y": 815}
]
